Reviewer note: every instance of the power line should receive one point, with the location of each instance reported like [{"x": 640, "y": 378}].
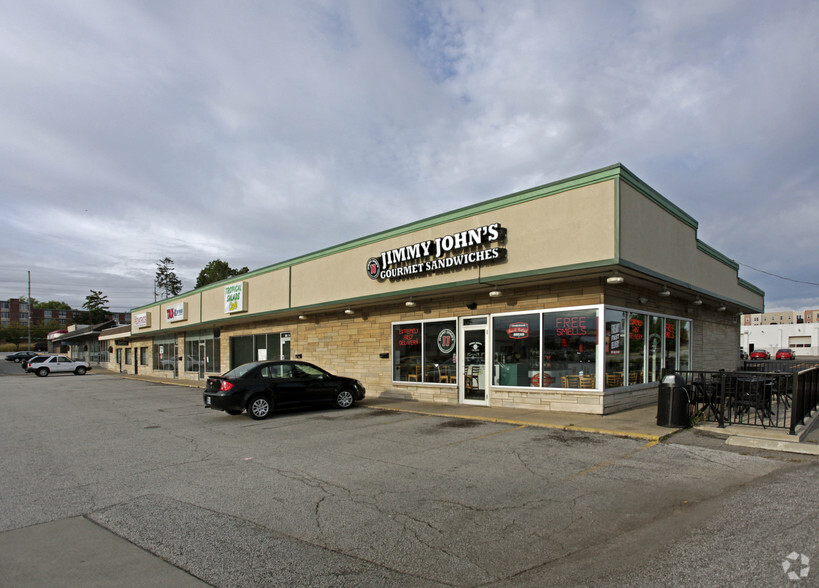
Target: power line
[{"x": 778, "y": 276}]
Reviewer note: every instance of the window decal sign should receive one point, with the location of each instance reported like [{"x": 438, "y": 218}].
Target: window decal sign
[
  {"x": 446, "y": 341},
  {"x": 518, "y": 330},
  {"x": 447, "y": 253}
]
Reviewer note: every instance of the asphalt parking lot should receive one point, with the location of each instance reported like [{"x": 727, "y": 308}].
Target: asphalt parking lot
[{"x": 179, "y": 494}]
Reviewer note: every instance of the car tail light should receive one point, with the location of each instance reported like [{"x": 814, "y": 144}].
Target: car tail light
[{"x": 225, "y": 386}]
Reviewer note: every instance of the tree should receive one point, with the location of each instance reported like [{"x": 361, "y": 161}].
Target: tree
[
  {"x": 166, "y": 280},
  {"x": 217, "y": 270},
  {"x": 96, "y": 305},
  {"x": 52, "y": 305}
]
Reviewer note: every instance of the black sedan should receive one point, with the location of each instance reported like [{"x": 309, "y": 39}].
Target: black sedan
[
  {"x": 21, "y": 356},
  {"x": 259, "y": 387}
]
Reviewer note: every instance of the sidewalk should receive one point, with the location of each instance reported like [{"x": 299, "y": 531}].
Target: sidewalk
[{"x": 637, "y": 423}]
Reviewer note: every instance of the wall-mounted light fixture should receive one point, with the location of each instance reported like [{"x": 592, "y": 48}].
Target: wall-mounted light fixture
[
  {"x": 302, "y": 317},
  {"x": 720, "y": 309},
  {"x": 665, "y": 292},
  {"x": 349, "y": 311},
  {"x": 642, "y": 299},
  {"x": 410, "y": 303},
  {"x": 697, "y": 301},
  {"x": 615, "y": 279},
  {"x": 495, "y": 293},
  {"x": 472, "y": 305}
]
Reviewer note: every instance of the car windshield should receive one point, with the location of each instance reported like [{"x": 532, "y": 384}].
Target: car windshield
[{"x": 241, "y": 371}]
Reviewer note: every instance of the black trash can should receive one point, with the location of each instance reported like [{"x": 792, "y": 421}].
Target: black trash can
[{"x": 672, "y": 402}]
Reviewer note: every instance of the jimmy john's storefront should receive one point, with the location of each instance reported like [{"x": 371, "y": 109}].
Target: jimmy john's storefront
[{"x": 570, "y": 296}]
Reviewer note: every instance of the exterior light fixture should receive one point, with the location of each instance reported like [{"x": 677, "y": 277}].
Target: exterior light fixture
[
  {"x": 720, "y": 309},
  {"x": 665, "y": 292},
  {"x": 410, "y": 303},
  {"x": 697, "y": 301},
  {"x": 642, "y": 299},
  {"x": 495, "y": 293},
  {"x": 615, "y": 279},
  {"x": 302, "y": 317},
  {"x": 349, "y": 311}
]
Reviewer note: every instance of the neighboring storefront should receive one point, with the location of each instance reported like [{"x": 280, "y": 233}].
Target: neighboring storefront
[{"x": 570, "y": 296}]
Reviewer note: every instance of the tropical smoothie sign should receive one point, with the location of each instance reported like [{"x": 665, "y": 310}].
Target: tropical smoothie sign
[
  {"x": 236, "y": 298},
  {"x": 464, "y": 249}
]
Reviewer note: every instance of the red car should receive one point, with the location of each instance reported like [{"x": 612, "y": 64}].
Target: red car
[
  {"x": 785, "y": 354},
  {"x": 760, "y": 354}
]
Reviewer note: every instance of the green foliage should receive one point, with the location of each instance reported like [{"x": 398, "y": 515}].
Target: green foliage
[
  {"x": 166, "y": 280},
  {"x": 216, "y": 271},
  {"x": 96, "y": 306},
  {"x": 17, "y": 333},
  {"x": 52, "y": 305},
  {"x": 8, "y": 347}
]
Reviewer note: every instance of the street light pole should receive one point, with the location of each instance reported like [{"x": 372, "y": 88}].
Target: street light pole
[{"x": 29, "y": 310}]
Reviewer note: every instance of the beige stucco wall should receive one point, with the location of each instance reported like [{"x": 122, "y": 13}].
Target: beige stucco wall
[
  {"x": 566, "y": 229},
  {"x": 653, "y": 238}
]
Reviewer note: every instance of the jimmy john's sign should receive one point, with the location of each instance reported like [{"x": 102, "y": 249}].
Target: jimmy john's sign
[{"x": 469, "y": 248}]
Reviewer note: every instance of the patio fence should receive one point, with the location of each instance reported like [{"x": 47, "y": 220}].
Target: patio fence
[{"x": 767, "y": 394}]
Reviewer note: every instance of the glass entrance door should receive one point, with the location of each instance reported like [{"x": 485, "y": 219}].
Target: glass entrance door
[{"x": 472, "y": 378}]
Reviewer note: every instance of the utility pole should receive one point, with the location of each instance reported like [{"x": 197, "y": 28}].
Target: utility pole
[{"x": 29, "y": 310}]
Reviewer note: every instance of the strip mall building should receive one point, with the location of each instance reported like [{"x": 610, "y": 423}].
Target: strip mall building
[{"x": 571, "y": 296}]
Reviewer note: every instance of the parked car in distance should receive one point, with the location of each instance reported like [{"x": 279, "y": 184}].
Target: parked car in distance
[
  {"x": 760, "y": 354},
  {"x": 262, "y": 386},
  {"x": 19, "y": 356},
  {"x": 785, "y": 354},
  {"x": 43, "y": 365}
]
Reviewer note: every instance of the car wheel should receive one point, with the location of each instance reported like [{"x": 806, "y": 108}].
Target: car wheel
[
  {"x": 42, "y": 372},
  {"x": 17, "y": 360},
  {"x": 259, "y": 407},
  {"x": 234, "y": 412},
  {"x": 344, "y": 399},
  {"x": 79, "y": 371}
]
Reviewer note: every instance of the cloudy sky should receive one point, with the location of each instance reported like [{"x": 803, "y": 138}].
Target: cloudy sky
[{"x": 256, "y": 131}]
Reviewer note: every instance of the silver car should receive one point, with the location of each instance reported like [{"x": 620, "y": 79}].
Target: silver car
[{"x": 42, "y": 366}]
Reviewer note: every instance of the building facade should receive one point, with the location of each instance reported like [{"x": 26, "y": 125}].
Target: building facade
[
  {"x": 572, "y": 296},
  {"x": 15, "y": 311}
]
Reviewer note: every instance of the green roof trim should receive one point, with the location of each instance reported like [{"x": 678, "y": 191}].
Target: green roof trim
[
  {"x": 652, "y": 194},
  {"x": 751, "y": 287},
  {"x": 710, "y": 251}
]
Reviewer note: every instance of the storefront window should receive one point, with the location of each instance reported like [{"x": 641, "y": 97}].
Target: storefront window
[
  {"x": 685, "y": 345},
  {"x": 262, "y": 347},
  {"x": 143, "y": 356},
  {"x": 516, "y": 346},
  {"x": 440, "y": 351},
  {"x": 570, "y": 348},
  {"x": 636, "y": 347},
  {"x": 406, "y": 352},
  {"x": 655, "y": 348},
  {"x": 615, "y": 347},
  {"x": 203, "y": 352},
  {"x": 670, "y": 344},
  {"x": 165, "y": 356}
]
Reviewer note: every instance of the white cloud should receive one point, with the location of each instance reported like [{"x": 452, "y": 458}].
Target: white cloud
[{"x": 258, "y": 131}]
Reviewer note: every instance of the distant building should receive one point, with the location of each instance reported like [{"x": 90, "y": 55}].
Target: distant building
[
  {"x": 15, "y": 311},
  {"x": 802, "y": 338},
  {"x": 811, "y": 316},
  {"x": 782, "y": 317}
]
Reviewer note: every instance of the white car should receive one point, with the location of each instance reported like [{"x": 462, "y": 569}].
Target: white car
[{"x": 57, "y": 364}]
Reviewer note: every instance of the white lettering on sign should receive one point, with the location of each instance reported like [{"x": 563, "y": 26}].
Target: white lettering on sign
[{"x": 437, "y": 255}]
